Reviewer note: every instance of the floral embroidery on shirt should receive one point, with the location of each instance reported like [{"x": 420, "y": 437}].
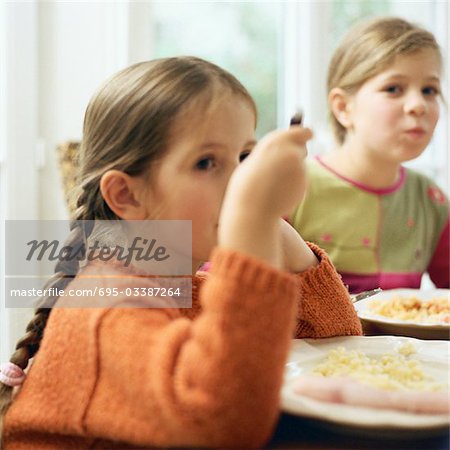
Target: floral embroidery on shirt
[
  {"x": 436, "y": 195},
  {"x": 326, "y": 237},
  {"x": 366, "y": 241},
  {"x": 410, "y": 222}
]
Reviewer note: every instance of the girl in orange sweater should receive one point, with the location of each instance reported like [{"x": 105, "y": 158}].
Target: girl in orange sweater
[{"x": 164, "y": 140}]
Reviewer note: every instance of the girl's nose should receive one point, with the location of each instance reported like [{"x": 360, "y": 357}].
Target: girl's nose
[{"x": 415, "y": 104}]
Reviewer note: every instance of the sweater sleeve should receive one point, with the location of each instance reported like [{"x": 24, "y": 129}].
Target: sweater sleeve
[
  {"x": 324, "y": 307},
  {"x": 213, "y": 381},
  {"x": 438, "y": 268}
]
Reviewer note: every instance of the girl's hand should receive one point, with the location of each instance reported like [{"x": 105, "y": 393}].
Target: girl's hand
[
  {"x": 272, "y": 181},
  {"x": 266, "y": 186}
]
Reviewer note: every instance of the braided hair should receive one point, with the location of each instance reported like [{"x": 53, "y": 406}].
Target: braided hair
[{"x": 29, "y": 343}]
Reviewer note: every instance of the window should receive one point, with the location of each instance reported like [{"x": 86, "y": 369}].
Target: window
[
  {"x": 18, "y": 172},
  {"x": 3, "y": 323},
  {"x": 345, "y": 13},
  {"x": 242, "y": 37}
]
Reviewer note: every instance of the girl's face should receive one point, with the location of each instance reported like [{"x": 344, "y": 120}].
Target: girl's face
[
  {"x": 393, "y": 114},
  {"x": 189, "y": 182}
]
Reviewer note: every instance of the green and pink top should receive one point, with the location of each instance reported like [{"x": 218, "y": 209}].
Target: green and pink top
[{"x": 377, "y": 237}]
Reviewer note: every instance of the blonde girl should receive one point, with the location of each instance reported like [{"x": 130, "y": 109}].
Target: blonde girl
[
  {"x": 382, "y": 224},
  {"x": 164, "y": 140}
]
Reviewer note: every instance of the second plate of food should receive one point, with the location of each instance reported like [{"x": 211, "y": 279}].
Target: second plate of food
[{"x": 423, "y": 314}]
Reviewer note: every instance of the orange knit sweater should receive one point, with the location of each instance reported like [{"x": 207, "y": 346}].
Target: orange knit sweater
[{"x": 121, "y": 378}]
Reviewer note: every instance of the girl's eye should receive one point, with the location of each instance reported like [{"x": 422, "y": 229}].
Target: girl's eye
[
  {"x": 205, "y": 164},
  {"x": 430, "y": 90},
  {"x": 393, "y": 89},
  {"x": 243, "y": 155}
]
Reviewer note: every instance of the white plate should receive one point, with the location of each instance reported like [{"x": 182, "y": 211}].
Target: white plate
[
  {"x": 387, "y": 325},
  {"x": 307, "y": 353}
]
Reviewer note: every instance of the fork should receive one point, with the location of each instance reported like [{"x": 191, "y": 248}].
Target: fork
[{"x": 365, "y": 294}]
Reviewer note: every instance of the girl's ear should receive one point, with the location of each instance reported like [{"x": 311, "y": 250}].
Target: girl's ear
[
  {"x": 339, "y": 102},
  {"x": 120, "y": 192}
]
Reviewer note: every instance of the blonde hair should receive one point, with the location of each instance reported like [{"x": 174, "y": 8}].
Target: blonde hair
[
  {"x": 127, "y": 126},
  {"x": 367, "y": 49}
]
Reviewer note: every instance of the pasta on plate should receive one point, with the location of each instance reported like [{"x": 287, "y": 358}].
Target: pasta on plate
[{"x": 413, "y": 309}]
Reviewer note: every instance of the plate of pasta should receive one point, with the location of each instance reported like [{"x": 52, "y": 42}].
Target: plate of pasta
[
  {"x": 424, "y": 314},
  {"x": 392, "y": 383}
]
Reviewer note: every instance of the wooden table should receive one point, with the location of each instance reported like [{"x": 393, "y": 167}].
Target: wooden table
[{"x": 299, "y": 433}]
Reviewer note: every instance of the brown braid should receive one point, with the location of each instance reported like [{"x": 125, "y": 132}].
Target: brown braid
[{"x": 28, "y": 345}]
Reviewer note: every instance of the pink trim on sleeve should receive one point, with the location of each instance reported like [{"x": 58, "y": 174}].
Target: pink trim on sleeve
[
  {"x": 439, "y": 265},
  {"x": 365, "y": 282}
]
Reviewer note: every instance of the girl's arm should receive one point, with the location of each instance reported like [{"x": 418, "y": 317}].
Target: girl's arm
[
  {"x": 211, "y": 382},
  {"x": 150, "y": 377},
  {"x": 297, "y": 255},
  {"x": 324, "y": 307},
  {"x": 250, "y": 222}
]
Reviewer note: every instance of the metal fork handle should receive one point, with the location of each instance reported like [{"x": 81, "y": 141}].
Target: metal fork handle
[{"x": 365, "y": 294}]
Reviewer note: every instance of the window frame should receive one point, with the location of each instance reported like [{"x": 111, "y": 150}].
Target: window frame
[{"x": 19, "y": 177}]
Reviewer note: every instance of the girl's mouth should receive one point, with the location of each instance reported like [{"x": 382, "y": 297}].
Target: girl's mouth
[{"x": 416, "y": 132}]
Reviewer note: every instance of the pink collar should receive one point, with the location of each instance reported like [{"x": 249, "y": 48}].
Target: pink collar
[{"x": 379, "y": 191}]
